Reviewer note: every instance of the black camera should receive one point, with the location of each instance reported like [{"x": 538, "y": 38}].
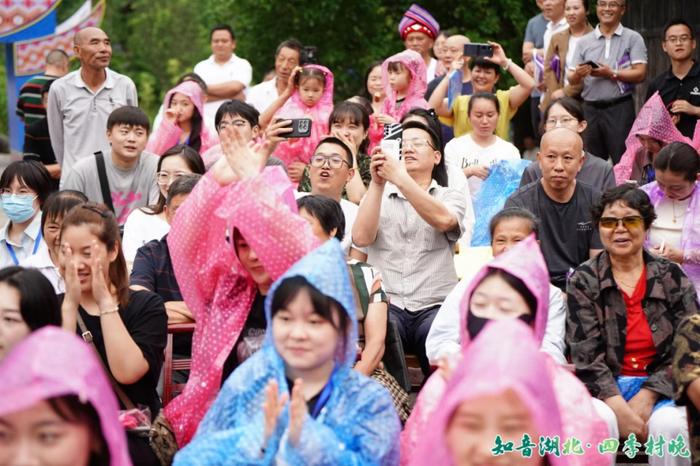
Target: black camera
[{"x": 309, "y": 55}]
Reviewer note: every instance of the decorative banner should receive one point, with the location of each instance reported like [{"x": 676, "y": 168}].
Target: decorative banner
[
  {"x": 30, "y": 55},
  {"x": 16, "y": 15}
]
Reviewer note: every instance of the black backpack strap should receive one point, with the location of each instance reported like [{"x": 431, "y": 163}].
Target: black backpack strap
[{"x": 104, "y": 182}]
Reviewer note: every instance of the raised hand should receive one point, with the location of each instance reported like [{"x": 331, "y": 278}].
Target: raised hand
[
  {"x": 297, "y": 412},
  {"x": 272, "y": 408},
  {"x": 348, "y": 142},
  {"x": 69, "y": 272},
  {"x": 245, "y": 162},
  {"x": 100, "y": 286},
  {"x": 170, "y": 115}
]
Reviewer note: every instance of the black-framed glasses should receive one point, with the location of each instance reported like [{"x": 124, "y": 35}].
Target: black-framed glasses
[
  {"x": 630, "y": 222},
  {"x": 334, "y": 161}
]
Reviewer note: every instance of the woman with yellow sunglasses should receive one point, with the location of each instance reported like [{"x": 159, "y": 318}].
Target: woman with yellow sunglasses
[{"x": 624, "y": 307}]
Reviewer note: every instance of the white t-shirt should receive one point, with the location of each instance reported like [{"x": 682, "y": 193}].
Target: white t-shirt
[
  {"x": 463, "y": 152},
  {"x": 139, "y": 229},
  {"x": 262, "y": 95},
  {"x": 431, "y": 70},
  {"x": 43, "y": 263},
  {"x": 236, "y": 69},
  {"x": 665, "y": 229},
  {"x": 570, "y": 55},
  {"x": 551, "y": 29},
  {"x": 350, "y": 212}
]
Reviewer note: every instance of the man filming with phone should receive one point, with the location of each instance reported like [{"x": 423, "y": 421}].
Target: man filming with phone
[
  {"x": 485, "y": 75},
  {"x": 609, "y": 61},
  {"x": 409, "y": 220}
]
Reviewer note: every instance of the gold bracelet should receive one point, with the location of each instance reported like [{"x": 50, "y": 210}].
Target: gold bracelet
[{"x": 110, "y": 311}]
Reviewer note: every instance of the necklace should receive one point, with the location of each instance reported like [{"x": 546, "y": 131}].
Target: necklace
[
  {"x": 673, "y": 204},
  {"x": 627, "y": 285}
]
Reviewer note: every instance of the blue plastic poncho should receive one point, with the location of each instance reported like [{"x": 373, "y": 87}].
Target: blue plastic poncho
[
  {"x": 503, "y": 180},
  {"x": 357, "y": 426}
]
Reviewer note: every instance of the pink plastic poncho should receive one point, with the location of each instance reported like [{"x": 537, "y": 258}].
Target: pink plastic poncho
[
  {"x": 416, "y": 88},
  {"x": 301, "y": 149},
  {"x": 168, "y": 134},
  {"x": 214, "y": 284},
  {"x": 579, "y": 418},
  {"x": 50, "y": 363},
  {"x": 489, "y": 368},
  {"x": 654, "y": 121}
]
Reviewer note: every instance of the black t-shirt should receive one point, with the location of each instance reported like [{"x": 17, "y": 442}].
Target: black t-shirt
[
  {"x": 311, "y": 402},
  {"x": 566, "y": 231},
  {"x": 671, "y": 88},
  {"x": 250, "y": 339},
  {"x": 146, "y": 321}
]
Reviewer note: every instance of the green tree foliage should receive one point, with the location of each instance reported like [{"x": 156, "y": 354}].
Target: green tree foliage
[{"x": 155, "y": 41}]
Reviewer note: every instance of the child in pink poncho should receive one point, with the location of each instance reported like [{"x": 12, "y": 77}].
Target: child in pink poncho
[
  {"x": 498, "y": 395},
  {"x": 182, "y": 121},
  {"x": 312, "y": 97},
  {"x": 403, "y": 76},
  {"x": 525, "y": 266}
]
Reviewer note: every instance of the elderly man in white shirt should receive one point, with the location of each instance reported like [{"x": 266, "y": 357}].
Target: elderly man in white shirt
[
  {"x": 508, "y": 227},
  {"x": 225, "y": 74},
  {"x": 287, "y": 57}
]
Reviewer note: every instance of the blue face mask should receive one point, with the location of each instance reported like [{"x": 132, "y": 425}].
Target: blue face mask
[{"x": 18, "y": 207}]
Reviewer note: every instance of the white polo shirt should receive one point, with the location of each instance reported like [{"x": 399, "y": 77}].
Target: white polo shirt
[
  {"x": 262, "y": 95},
  {"x": 236, "y": 69}
]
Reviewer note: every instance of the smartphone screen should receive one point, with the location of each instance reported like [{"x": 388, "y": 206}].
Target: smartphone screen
[{"x": 478, "y": 50}]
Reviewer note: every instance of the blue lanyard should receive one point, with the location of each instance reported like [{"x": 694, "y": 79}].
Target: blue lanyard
[
  {"x": 11, "y": 250},
  {"x": 323, "y": 398}
]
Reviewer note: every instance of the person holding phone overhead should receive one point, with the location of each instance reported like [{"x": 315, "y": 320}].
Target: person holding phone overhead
[
  {"x": 308, "y": 96},
  {"x": 409, "y": 220},
  {"x": 485, "y": 75},
  {"x": 608, "y": 61}
]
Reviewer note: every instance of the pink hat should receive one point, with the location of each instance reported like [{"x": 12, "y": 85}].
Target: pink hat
[{"x": 52, "y": 363}]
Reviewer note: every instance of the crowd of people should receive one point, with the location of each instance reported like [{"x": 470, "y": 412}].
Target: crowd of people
[{"x": 296, "y": 248}]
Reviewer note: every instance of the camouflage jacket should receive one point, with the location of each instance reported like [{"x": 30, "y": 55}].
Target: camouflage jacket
[
  {"x": 597, "y": 322},
  {"x": 686, "y": 368}
]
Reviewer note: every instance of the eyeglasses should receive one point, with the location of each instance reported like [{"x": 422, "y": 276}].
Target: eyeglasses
[
  {"x": 165, "y": 178},
  {"x": 334, "y": 161},
  {"x": 609, "y": 4},
  {"x": 679, "y": 39},
  {"x": 416, "y": 143},
  {"x": 630, "y": 223},
  {"x": 236, "y": 123},
  {"x": 563, "y": 121}
]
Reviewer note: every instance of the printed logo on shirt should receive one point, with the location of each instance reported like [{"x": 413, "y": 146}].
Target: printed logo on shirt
[
  {"x": 122, "y": 203},
  {"x": 584, "y": 226},
  {"x": 695, "y": 91}
]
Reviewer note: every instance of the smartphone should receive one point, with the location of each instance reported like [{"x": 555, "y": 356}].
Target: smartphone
[
  {"x": 593, "y": 64},
  {"x": 301, "y": 128},
  {"x": 391, "y": 147},
  {"x": 478, "y": 50},
  {"x": 393, "y": 131}
]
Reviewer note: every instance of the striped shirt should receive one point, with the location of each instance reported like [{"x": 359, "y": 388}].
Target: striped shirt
[
  {"x": 29, "y": 105},
  {"x": 416, "y": 261}
]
